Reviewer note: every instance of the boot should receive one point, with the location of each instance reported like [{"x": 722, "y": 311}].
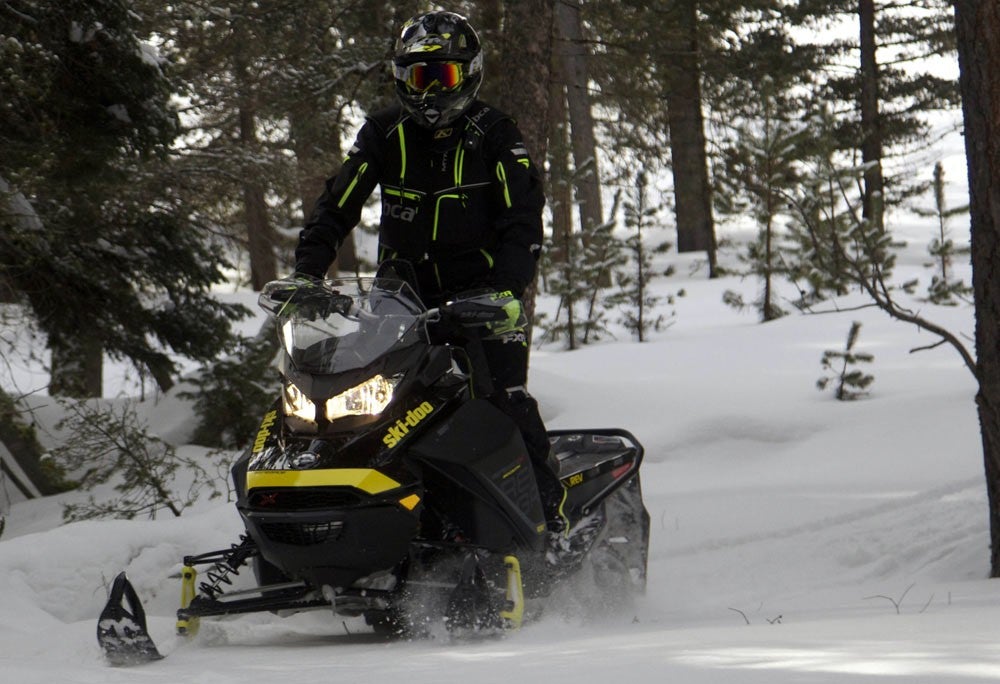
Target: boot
[{"x": 553, "y": 495}]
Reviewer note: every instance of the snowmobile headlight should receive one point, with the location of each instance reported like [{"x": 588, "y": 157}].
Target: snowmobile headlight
[
  {"x": 298, "y": 404},
  {"x": 367, "y": 399}
]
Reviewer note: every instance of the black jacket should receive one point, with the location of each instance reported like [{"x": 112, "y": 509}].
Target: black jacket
[{"x": 463, "y": 203}]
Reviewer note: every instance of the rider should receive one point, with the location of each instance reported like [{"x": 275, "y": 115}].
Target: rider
[{"x": 461, "y": 200}]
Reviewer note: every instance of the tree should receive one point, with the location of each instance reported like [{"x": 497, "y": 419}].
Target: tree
[
  {"x": 571, "y": 66},
  {"x": 649, "y": 82},
  {"x": 270, "y": 87},
  {"x": 977, "y": 25},
  {"x": 90, "y": 236},
  {"x": 634, "y": 299},
  {"x": 762, "y": 161},
  {"x": 871, "y": 121},
  {"x": 692, "y": 192},
  {"x": 524, "y": 84},
  {"x": 850, "y": 383},
  {"x": 883, "y": 99},
  {"x": 112, "y": 445},
  {"x": 944, "y": 289}
]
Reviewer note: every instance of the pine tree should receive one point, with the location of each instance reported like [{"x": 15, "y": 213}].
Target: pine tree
[
  {"x": 273, "y": 89},
  {"x": 944, "y": 289},
  {"x": 761, "y": 165},
  {"x": 633, "y": 299},
  {"x": 881, "y": 95},
  {"x": 106, "y": 258},
  {"x": 833, "y": 246},
  {"x": 587, "y": 260},
  {"x": 977, "y": 27},
  {"x": 851, "y": 383}
]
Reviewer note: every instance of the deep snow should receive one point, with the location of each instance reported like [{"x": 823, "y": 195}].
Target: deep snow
[{"x": 795, "y": 538}]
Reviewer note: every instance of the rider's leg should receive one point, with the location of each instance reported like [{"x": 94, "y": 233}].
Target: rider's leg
[{"x": 508, "y": 362}]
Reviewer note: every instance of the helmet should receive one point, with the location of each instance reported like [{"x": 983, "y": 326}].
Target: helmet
[{"x": 438, "y": 66}]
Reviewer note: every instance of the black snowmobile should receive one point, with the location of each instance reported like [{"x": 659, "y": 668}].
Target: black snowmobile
[{"x": 381, "y": 485}]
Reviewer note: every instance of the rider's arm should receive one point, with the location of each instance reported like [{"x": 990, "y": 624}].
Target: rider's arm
[
  {"x": 338, "y": 210},
  {"x": 519, "y": 224}
]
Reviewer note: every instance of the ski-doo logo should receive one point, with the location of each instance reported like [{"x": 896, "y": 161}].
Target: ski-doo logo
[
  {"x": 399, "y": 429},
  {"x": 398, "y": 211},
  {"x": 264, "y": 431}
]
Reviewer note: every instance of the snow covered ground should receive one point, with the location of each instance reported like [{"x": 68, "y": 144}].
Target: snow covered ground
[{"x": 794, "y": 538}]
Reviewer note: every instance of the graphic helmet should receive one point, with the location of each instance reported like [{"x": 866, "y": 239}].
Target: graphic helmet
[{"x": 438, "y": 66}]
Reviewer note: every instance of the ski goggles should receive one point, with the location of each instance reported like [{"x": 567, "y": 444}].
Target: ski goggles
[{"x": 419, "y": 77}]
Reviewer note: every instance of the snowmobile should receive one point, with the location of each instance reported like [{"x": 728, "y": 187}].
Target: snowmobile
[{"x": 382, "y": 484}]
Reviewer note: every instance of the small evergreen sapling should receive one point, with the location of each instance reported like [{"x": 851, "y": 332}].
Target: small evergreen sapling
[
  {"x": 588, "y": 257},
  {"x": 851, "y": 383},
  {"x": 944, "y": 290},
  {"x": 633, "y": 298}
]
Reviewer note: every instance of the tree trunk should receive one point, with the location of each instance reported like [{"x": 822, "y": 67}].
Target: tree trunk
[
  {"x": 573, "y": 63},
  {"x": 692, "y": 193},
  {"x": 560, "y": 190},
  {"x": 524, "y": 82},
  {"x": 487, "y": 21},
  {"x": 871, "y": 127},
  {"x": 314, "y": 168},
  {"x": 978, "y": 32},
  {"x": 77, "y": 366},
  {"x": 260, "y": 234}
]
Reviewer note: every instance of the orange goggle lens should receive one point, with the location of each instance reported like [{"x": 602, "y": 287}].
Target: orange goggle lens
[{"x": 421, "y": 76}]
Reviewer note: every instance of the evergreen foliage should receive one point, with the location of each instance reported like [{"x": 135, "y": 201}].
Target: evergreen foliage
[
  {"x": 89, "y": 235},
  {"x": 762, "y": 165},
  {"x": 234, "y": 392},
  {"x": 833, "y": 246},
  {"x": 587, "y": 259},
  {"x": 905, "y": 33},
  {"x": 634, "y": 301},
  {"x": 850, "y": 382},
  {"x": 943, "y": 289}
]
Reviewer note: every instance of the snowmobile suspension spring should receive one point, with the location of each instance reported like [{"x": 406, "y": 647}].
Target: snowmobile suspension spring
[{"x": 221, "y": 572}]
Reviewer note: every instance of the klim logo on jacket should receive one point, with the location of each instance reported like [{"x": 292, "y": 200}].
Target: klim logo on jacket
[{"x": 402, "y": 427}]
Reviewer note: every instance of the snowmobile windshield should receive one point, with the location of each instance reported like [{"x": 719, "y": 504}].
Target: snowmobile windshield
[{"x": 334, "y": 326}]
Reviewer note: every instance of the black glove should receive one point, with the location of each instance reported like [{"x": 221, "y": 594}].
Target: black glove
[
  {"x": 497, "y": 312},
  {"x": 298, "y": 293}
]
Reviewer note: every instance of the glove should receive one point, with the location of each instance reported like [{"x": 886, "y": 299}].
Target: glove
[
  {"x": 515, "y": 319},
  {"x": 499, "y": 312},
  {"x": 298, "y": 292},
  {"x": 284, "y": 289}
]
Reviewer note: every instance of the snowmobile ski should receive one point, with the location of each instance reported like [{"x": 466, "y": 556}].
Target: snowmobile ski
[{"x": 121, "y": 631}]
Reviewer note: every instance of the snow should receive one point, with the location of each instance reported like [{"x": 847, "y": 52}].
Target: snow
[{"x": 795, "y": 538}]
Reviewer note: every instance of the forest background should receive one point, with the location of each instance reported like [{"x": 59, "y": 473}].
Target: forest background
[{"x": 152, "y": 152}]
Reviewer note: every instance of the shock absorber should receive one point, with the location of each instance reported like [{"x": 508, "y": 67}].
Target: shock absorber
[{"x": 225, "y": 565}]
